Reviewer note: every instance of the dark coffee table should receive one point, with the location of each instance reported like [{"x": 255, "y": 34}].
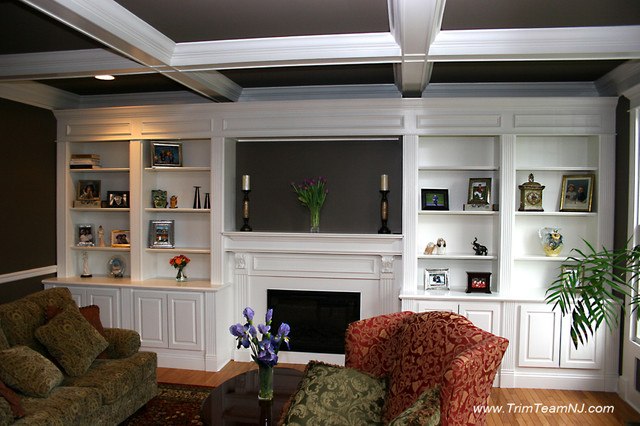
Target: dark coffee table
[{"x": 235, "y": 402}]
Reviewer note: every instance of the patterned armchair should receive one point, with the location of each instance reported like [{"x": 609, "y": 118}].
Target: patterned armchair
[{"x": 417, "y": 352}]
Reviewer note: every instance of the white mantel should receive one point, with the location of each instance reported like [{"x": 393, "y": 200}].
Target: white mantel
[{"x": 363, "y": 263}]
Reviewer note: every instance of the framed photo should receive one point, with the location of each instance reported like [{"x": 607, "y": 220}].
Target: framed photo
[
  {"x": 159, "y": 198},
  {"x": 120, "y": 238},
  {"x": 85, "y": 236},
  {"x": 88, "y": 190},
  {"x": 435, "y": 199},
  {"x": 166, "y": 154},
  {"x": 572, "y": 273},
  {"x": 161, "y": 234},
  {"x": 478, "y": 282},
  {"x": 577, "y": 193},
  {"x": 479, "y": 191},
  {"x": 436, "y": 279},
  {"x": 118, "y": 199}
]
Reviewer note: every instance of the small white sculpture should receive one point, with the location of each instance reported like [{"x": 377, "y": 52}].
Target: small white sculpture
[
  {"x": 85, "y": 265},
  {"x": 441, "y": 246},
  {"x": 101, "y": 236}
]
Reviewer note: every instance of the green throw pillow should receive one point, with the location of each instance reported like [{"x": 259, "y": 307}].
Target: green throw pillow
[
  {"x": 29, "y": 372},
  {"x": 336, "y": 396},
  {"x": 424, "y": 412},
  {"x": 72, "y": 341}
]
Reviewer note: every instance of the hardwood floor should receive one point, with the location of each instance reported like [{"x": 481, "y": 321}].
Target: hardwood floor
[{"x": 518, "y": 406}]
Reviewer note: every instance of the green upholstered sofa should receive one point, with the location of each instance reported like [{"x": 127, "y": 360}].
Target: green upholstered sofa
[{"x": 64, "y": 369}]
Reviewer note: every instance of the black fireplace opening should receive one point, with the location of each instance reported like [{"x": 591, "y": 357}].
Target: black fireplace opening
[{"x": 318, "y": 319}]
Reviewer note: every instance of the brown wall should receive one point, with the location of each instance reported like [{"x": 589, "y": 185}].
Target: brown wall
[{"x": 28, "y": 176}]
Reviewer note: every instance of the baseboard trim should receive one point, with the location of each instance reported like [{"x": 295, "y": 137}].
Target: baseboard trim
[{"x": 29, "y": 273}]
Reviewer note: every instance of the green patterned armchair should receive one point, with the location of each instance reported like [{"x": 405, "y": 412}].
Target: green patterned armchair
[{"x": 59, "y": 366}]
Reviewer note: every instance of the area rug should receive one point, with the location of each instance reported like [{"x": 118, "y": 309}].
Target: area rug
[{"x": 174, "y": 405}]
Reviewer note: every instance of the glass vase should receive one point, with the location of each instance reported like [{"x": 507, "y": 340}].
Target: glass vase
[
  {"x": 315, "y": 220},
  {"x": 265, "y": 379},
  {"x": 181, "y": 276}
]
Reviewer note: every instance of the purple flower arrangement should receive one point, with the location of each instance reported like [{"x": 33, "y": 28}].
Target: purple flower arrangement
[
  {"x": 264, "y": 349},
  {"x": 312, "y": 193}
]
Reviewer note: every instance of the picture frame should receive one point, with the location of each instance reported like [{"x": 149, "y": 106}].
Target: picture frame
[
  {"x": 166, "y": 154},
  {"x": 88, "y": 190},
  {"x": 161, "y": 234},
  {"x": 120, "y": 238},
  {"x": 577, "y": 193},
  {"x": 567, "y": 270},
  {"x": 478, "y": 282},
  {"x": 479, "y": 191},
  {"x": 436, "y": 279},
  {"x": 158, "y": 198},
  {"x": 118, "y": 199},
  {"x": 434, "y": 199},
  {"x": 85, "y": 236}
]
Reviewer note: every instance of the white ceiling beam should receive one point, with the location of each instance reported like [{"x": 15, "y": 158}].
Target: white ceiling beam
[
  {"x": 39, "y": 95},
  {"x": 620, "y": 80},
  {"x": 114, "y": 26},
  {"x": 285, "y": 51},
  {"x": 414, "y": 24},
  {"x": 584, "y": 43}
]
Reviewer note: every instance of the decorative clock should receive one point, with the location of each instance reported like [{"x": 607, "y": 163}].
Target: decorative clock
[{"x": 531, "y": 196}]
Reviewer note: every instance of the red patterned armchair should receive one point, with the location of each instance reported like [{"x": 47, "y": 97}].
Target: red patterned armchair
[{"x": 416, "y": 352}]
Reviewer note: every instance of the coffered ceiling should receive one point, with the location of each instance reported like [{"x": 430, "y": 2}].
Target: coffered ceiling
[{"x": 241, "y": 50}]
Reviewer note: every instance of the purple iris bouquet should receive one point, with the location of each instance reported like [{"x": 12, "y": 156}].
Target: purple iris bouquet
[{"x": 265, "y": 349}]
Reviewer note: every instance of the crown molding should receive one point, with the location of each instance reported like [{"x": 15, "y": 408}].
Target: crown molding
[
  {"x": 141, "y": 99},
  {"x": 621, "y": 79},
  {"x": 355, "y": 91},
  {"x": 284, "y": 51},
  {"x": 622, "y": 42},
  {"x": 494, "y": 90}
]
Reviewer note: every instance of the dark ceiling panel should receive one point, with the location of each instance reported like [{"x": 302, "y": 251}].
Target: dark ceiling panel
[
  {"x": 520, "y": 72},
  {"x": 198, "y": 20},
  {"x": 312, "y": 75},
  {"x": 489, "y": 14},
  {"x": 25, "y": 30},
  {"x": 137, "y": 83}
]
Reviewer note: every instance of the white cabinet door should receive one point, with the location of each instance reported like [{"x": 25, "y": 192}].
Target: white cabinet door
[
  {"x": 436, "y": 305},
  {"x": 589, "y": 355},
  {"x": 108, "y": 300},
  {"x": 485, "y": 315},
  {"x": 185, "y": 320},
  {"x": 150, "y": 318},
  {"x": 539, "y": 336},
  {"x": 78, "y": 294}
]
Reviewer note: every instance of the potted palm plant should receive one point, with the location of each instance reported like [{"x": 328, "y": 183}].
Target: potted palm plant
[{"x": 592, "y": 286}]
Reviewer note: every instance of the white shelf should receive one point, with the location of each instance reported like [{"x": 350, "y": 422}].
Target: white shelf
[
  {"x": 457, "y": 256},
  {"x": 98, "y": 209},
  {"x": 95, "y": 248},
  {"x": 541, "y": 258},
  {"x": 191, "y": 250},
  {"x": 456, "y": 212},
  {"x": 177, "y": 210},
  {"x": 558, "y": 214},
  {"x": 102, "y": 170},
  {"x": 557, "y": 169},
  {"x": 177, "y": 169},
  {"x": 457, "y": 168}
]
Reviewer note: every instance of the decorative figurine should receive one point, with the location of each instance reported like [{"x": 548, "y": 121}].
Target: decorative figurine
[
  {"x": 551, "y": 240},
  {"x": 85, "y": 265},
  {"x": 207, "y": 201},
  {"x": 441, "y": 246},
  {"x": 431, "y": 246},
  {"x": 531, "y": 196},
  {"x": 196, "y": 198},
  {"x": 101, "y": 236},
  {"x": 479, "y": 248},
  {"x": 173, "y": 202}
]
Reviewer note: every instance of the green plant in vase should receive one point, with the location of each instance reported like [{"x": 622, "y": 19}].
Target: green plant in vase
[
  {"x": 264, "y": 349},
  {"x": 312, "y": 193},
  {"x": 591, "y": 287}
]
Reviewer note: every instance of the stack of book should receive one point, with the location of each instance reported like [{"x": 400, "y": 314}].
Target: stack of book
[{"x": 84, "y": 161}]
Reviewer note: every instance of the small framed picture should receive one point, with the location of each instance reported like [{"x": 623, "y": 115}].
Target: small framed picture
[
  {"x": 435, "y": 199},
  {"x": 436, "y": 279},
  {"x": 118, "y": 199},
  {"x": 572, "y": 275},
  {"x": 478, "y": 282},
  {"x": 120, "y": 238},
  {"x": 88, "y": 190},
  {"x": 159, "y": 198},
  {"x": 85, "y": 236},
  {"x": 161, "y": 234},
  {"x": 479, "y": 191},
  {"x": 577, "y": 193},
  {"x": 166, "y": 154}
]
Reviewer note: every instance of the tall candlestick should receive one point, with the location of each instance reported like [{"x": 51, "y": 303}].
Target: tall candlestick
[
  {"x": 245, "y": 183},
  {"x": 384, "y": 182}
]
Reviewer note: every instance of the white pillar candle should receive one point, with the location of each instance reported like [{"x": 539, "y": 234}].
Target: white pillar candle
[
  {"x": 245, "y": 183},
  {"x": 384, "y": 183}
]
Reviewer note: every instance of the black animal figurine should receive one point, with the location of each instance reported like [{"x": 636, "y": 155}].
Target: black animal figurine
[{"x": 479, "y": 248}]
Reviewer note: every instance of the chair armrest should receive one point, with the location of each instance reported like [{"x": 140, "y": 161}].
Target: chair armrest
[
  {"x": 468, "y": 381},
  {"x": 122, "y": 342},
  {"x": 368, "y": 343}
]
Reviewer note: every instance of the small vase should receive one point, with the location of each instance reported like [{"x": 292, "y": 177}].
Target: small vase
[
  {"x": 315, "y": 220},
  {"x": 265, "y": 378},
  {"x": 181, "y": 276},
  {"x": 551, "y": 240}
]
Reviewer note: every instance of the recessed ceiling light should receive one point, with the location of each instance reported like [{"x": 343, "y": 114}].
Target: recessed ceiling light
[{"x": 105, "y": 77}]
